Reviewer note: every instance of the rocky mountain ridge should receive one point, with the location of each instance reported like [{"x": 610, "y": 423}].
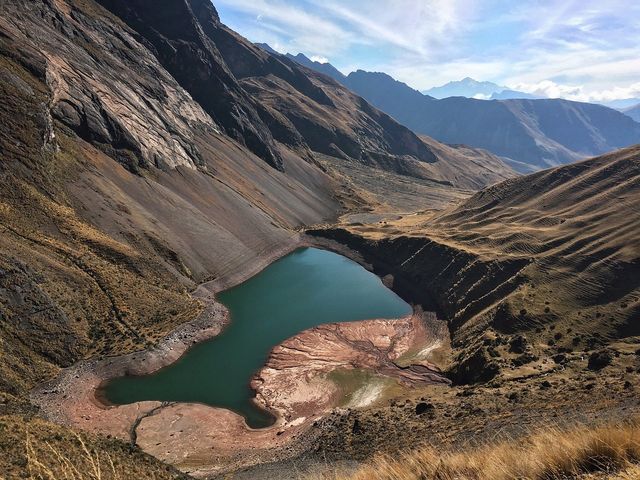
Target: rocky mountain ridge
[{"x": 295, "y": 108}]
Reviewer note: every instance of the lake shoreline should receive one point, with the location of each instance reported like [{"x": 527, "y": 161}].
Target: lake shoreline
[{"x": 73, "y": 397}]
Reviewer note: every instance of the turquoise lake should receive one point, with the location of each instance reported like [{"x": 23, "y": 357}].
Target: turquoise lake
[{"x": 306, "y": 288}]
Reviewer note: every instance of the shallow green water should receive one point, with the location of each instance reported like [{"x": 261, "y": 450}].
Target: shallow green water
[{"x": 306, "y": 288}]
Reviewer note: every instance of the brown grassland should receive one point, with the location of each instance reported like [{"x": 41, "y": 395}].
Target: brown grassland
[{"x": 610, "y": 451}]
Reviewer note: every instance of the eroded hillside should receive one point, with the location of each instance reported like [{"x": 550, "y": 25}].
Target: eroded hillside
[{"x": 539, "y": 280}]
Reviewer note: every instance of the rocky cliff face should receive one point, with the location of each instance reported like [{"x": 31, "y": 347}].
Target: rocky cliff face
[
  {"x": 257, "y": 96},
  {"x": 181, "y": 43},
  {"x": 80, "y": 57},
  {"x": 456, "y": 283}
]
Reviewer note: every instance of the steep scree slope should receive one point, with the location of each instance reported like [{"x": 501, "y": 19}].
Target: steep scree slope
[{"x": 118, "y": 196}]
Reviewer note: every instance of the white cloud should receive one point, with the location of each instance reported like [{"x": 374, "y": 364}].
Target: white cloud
[
  {"x": 295, "y": 28},
  {"x": 578, "y": 49},
  {"x": 550, "y": 89},
  {"x": 417, "y": 27},
  {"x": 330, "y": 27},
  {"x": 319, "y": 59}
]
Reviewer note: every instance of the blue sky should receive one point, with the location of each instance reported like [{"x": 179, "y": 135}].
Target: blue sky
[{"x": 579, "y": 49}]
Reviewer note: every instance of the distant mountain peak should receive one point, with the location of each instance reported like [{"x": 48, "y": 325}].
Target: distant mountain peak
[
  {"x": 322, "y": 67},
  {"x": 374, "y": 74},
  {"x": 471, "y": 88},
  {"x": 302, "y": 56},
  {"x": 467, "y": 87},
  {"x": 267, "y": 47}
]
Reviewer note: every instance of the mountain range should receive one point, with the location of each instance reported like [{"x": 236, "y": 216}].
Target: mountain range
[
  {"x": 529, "y": 134},
  {"x": 470, "y": 88},
  {"x": 152, "y": 157}
]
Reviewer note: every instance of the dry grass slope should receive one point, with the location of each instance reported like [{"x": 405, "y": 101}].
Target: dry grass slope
[
  {"x": 539, "y": 280},
  {"x": 38, "y": 450},
  {"x": 610, "y": 451}
]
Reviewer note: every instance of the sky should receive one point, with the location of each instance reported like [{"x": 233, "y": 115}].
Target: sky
[{"x": 587, "y": 50}]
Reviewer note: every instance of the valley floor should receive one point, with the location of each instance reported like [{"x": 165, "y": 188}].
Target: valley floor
[{"x": 529, "y": 361}]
